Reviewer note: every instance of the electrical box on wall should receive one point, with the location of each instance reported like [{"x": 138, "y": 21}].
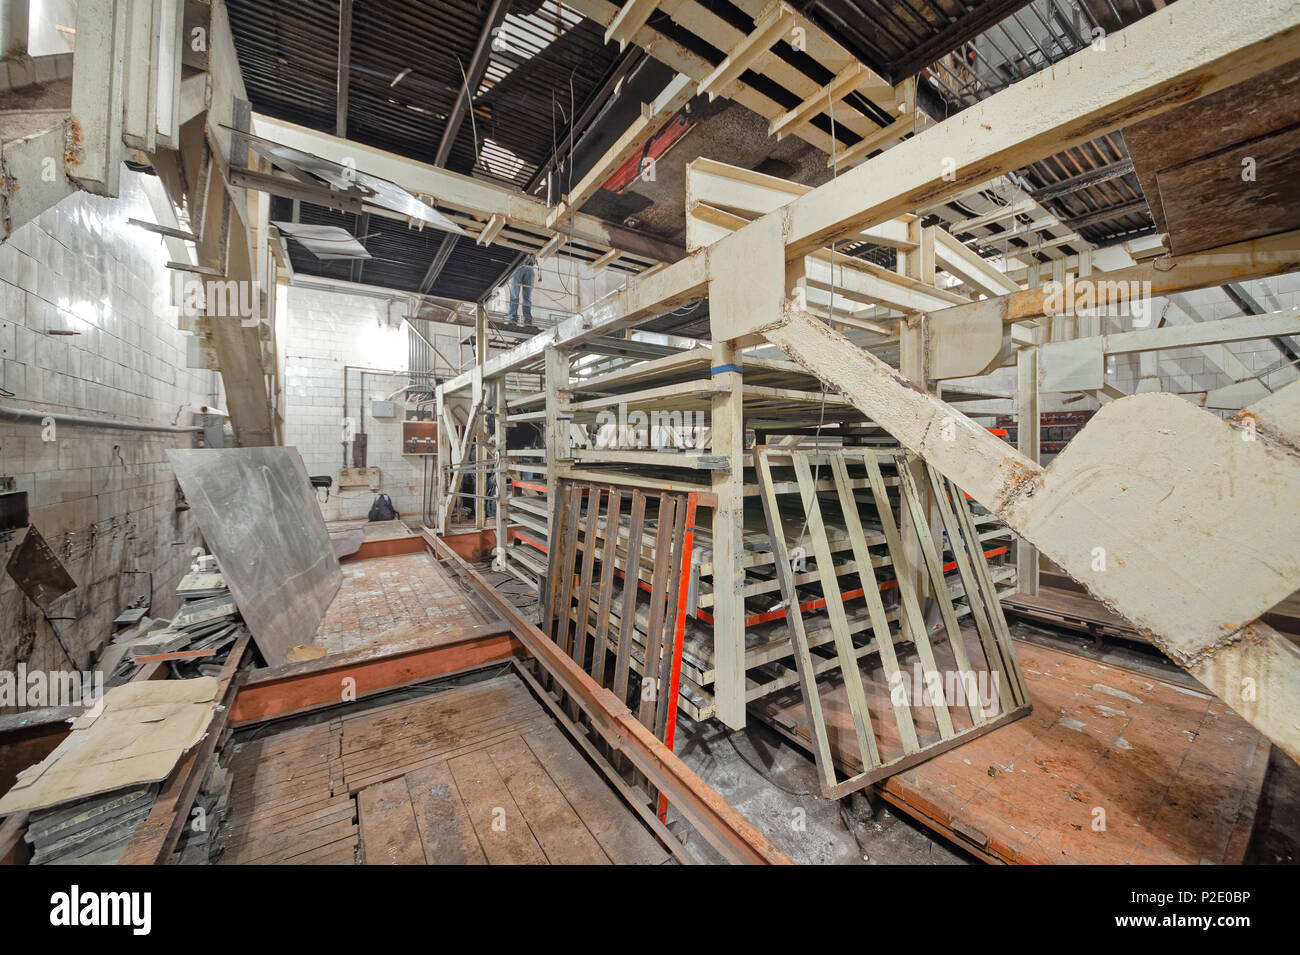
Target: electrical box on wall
[{"x": 383, "y": 409}]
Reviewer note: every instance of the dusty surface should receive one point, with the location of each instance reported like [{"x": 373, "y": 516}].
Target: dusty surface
[{"x": 387, "y": 599}]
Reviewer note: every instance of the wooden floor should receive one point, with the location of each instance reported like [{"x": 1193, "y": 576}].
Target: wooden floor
[
  {"x": 471, "y": 775},
  {"x": 383, "y": 598},
  {"x": 1073, "y": 610},
  {"x": 1112, "y": 766}
]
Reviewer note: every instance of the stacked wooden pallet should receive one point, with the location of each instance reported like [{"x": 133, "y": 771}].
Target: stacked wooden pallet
[{"x": 782, "y": 404}]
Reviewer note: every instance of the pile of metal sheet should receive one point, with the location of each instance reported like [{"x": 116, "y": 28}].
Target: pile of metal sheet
[
  {"x": 91, "y": 831},
  {"x": 199, "y": 843},
  {"x": 195, "y": 642}
]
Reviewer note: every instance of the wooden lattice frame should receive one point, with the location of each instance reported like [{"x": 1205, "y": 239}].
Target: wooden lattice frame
[
  {"x": 916, "y": 479},
  {"x": 579, "y": 599}
]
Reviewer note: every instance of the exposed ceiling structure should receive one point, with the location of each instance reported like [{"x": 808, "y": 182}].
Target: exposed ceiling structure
[{"x": 550, "y": 96}]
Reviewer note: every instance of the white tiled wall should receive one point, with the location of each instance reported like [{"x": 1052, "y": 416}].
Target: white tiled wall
[
  {"x": 326, "y": 330},
  {"x": 104, "y": 499}
]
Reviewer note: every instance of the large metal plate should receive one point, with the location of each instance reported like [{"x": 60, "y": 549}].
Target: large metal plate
[
  {"x": 38, "y": 572},
  {"x": 259, "y": 516}
]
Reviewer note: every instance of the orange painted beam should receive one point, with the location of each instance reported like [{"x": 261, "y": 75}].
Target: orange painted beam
[{"x": 298, "y": 687}]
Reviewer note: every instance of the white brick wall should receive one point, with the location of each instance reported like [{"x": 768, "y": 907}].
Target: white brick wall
[
  {"x": 104, "y": 499},
  {"x": 326, "y": 330}
]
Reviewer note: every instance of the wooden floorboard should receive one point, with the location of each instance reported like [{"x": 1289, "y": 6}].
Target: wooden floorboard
[
  {"x": 554, "y": 823},
  {"x": 441, "y": 819},
  {"x": 603, "y": 813},
  {"x": 1112, "y": 766},
  {"x": 470, "y": 775},
  {"x": 387, "y": 821},
  {"x": 499, "y": 824}
]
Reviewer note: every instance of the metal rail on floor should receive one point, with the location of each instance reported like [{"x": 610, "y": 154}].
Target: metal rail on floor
[{"x": 716, "y": 820}]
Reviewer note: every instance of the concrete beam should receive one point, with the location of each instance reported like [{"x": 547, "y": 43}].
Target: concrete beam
[{"x": 1116, "y": 520}]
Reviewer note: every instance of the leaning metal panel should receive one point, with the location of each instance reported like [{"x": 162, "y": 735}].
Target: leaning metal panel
[{"x": 257, "y": 512}]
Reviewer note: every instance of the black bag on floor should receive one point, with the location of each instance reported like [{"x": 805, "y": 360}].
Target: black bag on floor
[{"x": 382, "y": 509}]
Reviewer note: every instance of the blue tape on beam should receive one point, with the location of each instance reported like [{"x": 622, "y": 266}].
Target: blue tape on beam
[{"x": 723, "y": 369}]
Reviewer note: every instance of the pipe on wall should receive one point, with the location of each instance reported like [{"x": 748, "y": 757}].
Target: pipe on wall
[{"x": 8, "y": 413}]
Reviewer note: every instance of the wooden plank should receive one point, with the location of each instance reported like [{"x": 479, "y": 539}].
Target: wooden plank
[
  {"x": 1209, "y": 202},
  {"x": 674, "y": 623},
  {"x": 982, "y": 603},
  {"x": 624, "y": 841},
  {"x": 843, "y": 642},
  {"x": 583, "y": 611},
  {"x": 290, "y": 841},
  {"x": 799, "y": 637},
  {"x": 627, "y": 620},
  {"x": 441, "y": 818},
  {"x": 554, "y": 823},
  {"x": 388, "y": 832},
  {"x": 934, "y": 564},
  {"x": 654, "y": 642},
  {"x": 500, "y": 826},
  {"x": 1010, "y": 665},
  {"x": 1237, "y": 115},
  {"x": 875, "y": 606},
  {"x": 605, "y": 596},
  {"x": 565, "y": 578},
  {"x": 911, "y": 620}
]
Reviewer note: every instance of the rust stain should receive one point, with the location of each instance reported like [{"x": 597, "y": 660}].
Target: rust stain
[{"x": 73, "y": 153}]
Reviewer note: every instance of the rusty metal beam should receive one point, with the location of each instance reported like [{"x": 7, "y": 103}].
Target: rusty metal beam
[
  {"x": 719, "y": 823},
  {"x": 300, "y": 687}
]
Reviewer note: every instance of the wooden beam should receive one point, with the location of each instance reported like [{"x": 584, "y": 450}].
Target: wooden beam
[
  {"x": 1275, "y": 255},
  {"x": 961, "y": 262},
  {"x": 631, "y": 17},
  {"x": 464, "y": 193},
  {"x": 491, "y": 230},
  {"x": 95, "y": 159},
  {"x": 911, "y": 122},
  {"x": 604, "y": 260},
  {"x": 1244, "y": 328},
  {"x": 1028, "y": 443},
  {"x": 853, "y": 77},
  {"x": 768, "y": 29}
]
